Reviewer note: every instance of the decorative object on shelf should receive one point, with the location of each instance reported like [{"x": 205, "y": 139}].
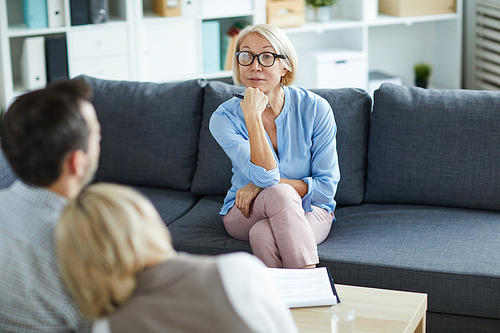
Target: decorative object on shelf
[
  {"x": 422, "y": 73},
  {"x": 322, "y": 9},
  {"x": 285, "y": 13},
  {"x": 99, "y": 11}
]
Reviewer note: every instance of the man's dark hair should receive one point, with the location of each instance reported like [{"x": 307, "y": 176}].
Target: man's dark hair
[{"x": 42, "y": 127}]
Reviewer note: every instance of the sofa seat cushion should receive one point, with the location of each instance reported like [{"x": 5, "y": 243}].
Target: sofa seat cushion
[
  {"x": 171, "y": 204},
  {"x": 434, "y": 147},
  {"x": 201, "y": 230},
  {"x": 351, "y": 108},
  {"x": 149, "y": 131},
  {"x": 449, "y": 253}
]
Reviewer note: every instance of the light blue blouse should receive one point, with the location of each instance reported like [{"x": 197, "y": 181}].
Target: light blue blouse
[{"x": 307, "y": 148}]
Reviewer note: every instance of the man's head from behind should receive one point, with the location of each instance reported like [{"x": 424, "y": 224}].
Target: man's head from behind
[{"x": 42, "y": 129}]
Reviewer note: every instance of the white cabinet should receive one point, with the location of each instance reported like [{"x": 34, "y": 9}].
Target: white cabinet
[
  {"x": 101, "y": 52},
  {"x": 170, "y": 51}
]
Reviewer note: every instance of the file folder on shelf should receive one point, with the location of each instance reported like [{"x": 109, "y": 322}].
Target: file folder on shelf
[
  {"x": 56, "y": 57},
  {"x": 33, "y": 68},
  {"x": 35, "y": 13},
  {"x": 211, "y": 46},
  {"x": 55, "y": 13},
  {"x": 79, "y": 10}
]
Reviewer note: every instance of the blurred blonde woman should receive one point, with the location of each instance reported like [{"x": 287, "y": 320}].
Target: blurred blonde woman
[{"x": 118, "y": 261}]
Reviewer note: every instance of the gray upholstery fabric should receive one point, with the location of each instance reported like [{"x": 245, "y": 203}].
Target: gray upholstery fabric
[
  {"x": 438, "y": 147},
  {"x": 170, "y": 204},
  {"x": 149, "y": 131},
  {"x": 7, "y": 176},
  {"x": 446, "y": 323},
  {"x": 352, "y": 108},
  {"x": 201, "y": 230},
  {"x": 213, "y": 171},
  {"x": 449, "y": 253}
]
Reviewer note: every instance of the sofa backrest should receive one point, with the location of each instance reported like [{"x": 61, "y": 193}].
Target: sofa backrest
[
  {"x": 351, "y": 108},
  {"x": 149, "y": 131},
  {"x": 436, "y": 147}
]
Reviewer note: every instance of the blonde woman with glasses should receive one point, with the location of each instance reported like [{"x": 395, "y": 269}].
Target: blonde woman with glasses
[
  {"x": 118, "y": 261},
  {"x": 281, "y": 140}
]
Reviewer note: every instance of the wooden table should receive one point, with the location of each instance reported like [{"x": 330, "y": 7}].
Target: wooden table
[{"x": 377, "y": 310}]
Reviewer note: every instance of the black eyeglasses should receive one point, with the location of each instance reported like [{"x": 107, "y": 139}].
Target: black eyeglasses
[{"x": 266, "y": 59}]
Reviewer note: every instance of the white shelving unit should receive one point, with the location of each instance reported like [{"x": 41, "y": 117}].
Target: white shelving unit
[
  {"x": 102, "y": 50},
  {"x": 138, "y": 44},
  {"x": 390, "y": 44}
]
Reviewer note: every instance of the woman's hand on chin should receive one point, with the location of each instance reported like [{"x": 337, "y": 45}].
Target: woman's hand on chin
[
  {"x": 245, "y": 196},
  {"x": 254, "y": 103}
]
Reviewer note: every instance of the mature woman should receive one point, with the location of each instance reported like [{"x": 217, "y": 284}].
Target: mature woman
[
  {"x": 281, "y": 140},
  {"x": 118, "y": 261}
]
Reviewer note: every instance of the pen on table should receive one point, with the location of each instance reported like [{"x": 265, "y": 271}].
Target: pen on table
[{"x": 240, "y": 96}]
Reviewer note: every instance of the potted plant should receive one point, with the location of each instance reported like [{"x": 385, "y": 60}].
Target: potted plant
[
  {"x": 322, "y": 9},
  {"x": 422, "y": 73}
]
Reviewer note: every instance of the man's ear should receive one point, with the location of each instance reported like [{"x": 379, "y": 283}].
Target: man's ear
[{"x": 76, "y": 162}]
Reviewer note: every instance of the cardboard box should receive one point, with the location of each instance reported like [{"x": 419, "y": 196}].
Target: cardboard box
[
  {"x": 286, "y": 13},
  {"x": 167, "y": 8},
  {"x": 416, "y": 7}
]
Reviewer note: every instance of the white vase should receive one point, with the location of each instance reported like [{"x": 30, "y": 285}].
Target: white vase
[{"x": 323, "y": 13}]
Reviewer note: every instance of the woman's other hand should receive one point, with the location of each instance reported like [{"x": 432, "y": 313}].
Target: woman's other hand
[
  {"x": 254, "y": 103},
  {"x": 245, "y": 196}
]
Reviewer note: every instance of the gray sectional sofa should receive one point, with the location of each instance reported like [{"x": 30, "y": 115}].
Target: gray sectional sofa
[{"x": 418, "y": 201}]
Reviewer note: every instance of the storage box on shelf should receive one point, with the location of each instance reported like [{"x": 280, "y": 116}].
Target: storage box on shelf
[
  {"x": 333, "y": 68},
  {"x": 285, "y": 13},
  {"x": 416, "y": 7},
  {"x": 167, "y": 8}
]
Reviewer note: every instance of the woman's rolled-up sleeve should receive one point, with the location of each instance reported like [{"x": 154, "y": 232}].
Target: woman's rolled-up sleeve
[{"x": 232, "y": 136}]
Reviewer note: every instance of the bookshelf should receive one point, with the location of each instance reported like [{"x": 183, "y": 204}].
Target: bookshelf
[
  {"x": 138, "y": 44},
  {"x": 103, "y": 50}
]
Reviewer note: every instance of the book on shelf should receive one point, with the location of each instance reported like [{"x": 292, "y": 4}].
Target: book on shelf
[
  {"x": 229, "y": 43},
  {"x": 304, "y": 287}
]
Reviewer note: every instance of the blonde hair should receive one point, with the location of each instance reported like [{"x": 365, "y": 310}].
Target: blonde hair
[
  {"x": 279, "y": 41},
  {"x": 104, "y": 238}
]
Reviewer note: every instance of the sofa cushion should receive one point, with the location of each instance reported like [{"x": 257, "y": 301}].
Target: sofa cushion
[
  {"x": 149, "y": 131},
  {"x": 437, "y": 147},
  {"x": 352, "y": 108},
  {"x": 449, "y": 253},
  {"x": 170, "y": 204},
  {"x": 201, "y": 230},
  {"x": 213, "y": 171},
  {"x": 7, "y": 176},
  {"x": 352, "y": 114}
]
